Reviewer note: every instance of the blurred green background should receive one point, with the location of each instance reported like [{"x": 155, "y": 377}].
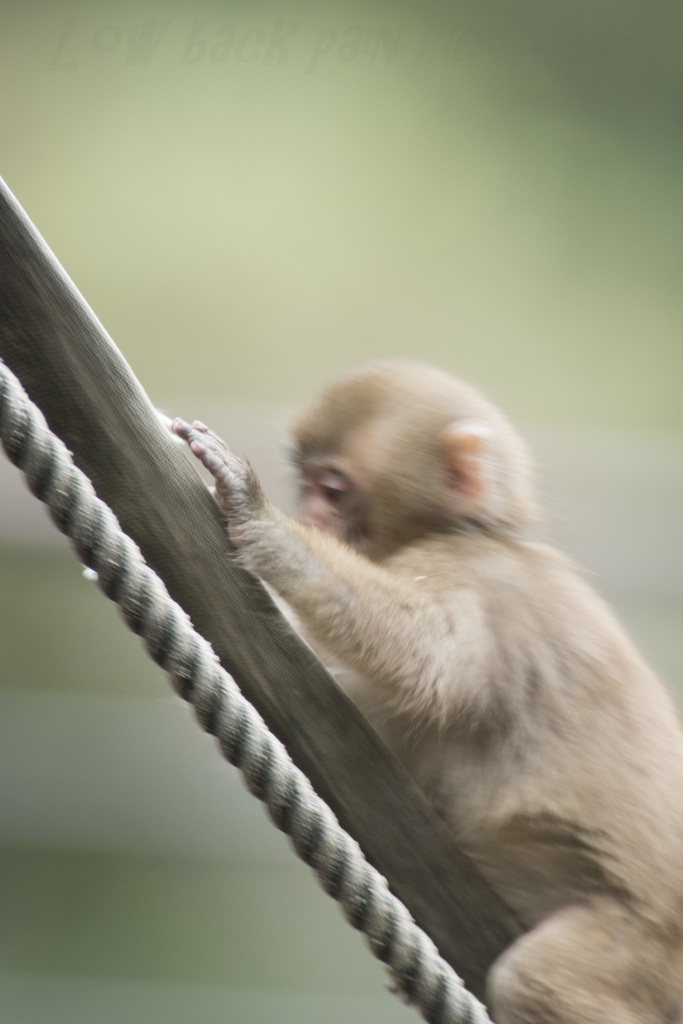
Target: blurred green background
[{"x": 252, "y": 197}]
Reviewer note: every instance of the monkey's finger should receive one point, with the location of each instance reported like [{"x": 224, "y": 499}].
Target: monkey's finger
[
  {"x": 212, "y": 452},
  {"x": 203, "y": 429},
  {"x": 224, "y": 466},
  {"x": 189, "y": 434},
  {"x": 181, "y": 428}
]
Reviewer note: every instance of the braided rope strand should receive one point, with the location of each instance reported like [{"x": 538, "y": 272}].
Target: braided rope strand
[{"x": 197, "y": 676}]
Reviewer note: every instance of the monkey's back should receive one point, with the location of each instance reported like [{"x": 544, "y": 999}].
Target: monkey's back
[{"x": 574, "y": 785}]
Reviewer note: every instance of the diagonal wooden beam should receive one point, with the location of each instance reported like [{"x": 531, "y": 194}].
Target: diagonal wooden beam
[{"x": 90, "y": 397}]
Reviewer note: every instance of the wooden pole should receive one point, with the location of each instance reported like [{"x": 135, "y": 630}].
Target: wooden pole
[{"x": 72, "y": 370}]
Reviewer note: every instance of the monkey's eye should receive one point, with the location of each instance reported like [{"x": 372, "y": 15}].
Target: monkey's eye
[{"x": 334, "y": 486}]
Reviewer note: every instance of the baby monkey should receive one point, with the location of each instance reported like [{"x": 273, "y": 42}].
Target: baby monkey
[{"x": 494, "y": 674}]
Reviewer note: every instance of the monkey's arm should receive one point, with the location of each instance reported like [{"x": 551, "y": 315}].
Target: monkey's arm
[{"x": 426, "y": 654}]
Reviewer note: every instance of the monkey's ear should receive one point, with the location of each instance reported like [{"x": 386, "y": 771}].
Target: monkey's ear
[{"x": 465, "y": 448}]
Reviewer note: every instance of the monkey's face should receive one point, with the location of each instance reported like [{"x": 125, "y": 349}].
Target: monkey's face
[
  {"x": 395, "y": 452},
  {"x": 344, "y": 495},
  {"x": 330, "y": 499},
  {"x": 375, "y": 485}
]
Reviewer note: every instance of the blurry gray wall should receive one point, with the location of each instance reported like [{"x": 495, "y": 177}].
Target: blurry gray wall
[{"x": 253, "y": 197}]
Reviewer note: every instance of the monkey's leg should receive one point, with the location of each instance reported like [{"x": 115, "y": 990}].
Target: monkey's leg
[{"x": 587, "y": 964}]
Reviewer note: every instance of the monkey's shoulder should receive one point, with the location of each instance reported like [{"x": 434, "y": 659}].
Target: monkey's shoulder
[
  {"x": 441, "y": 561},
  {"x": 531, "y": 601}
]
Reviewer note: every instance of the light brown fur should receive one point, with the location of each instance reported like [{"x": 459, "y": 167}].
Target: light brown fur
[{"x": 494, "y": 673}]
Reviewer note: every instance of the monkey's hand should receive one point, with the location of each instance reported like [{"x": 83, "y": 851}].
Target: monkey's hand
[{"x": 237, "y": 489}]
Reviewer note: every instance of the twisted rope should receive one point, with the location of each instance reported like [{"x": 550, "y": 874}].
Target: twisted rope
[{"x": 245, "y": 740}]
